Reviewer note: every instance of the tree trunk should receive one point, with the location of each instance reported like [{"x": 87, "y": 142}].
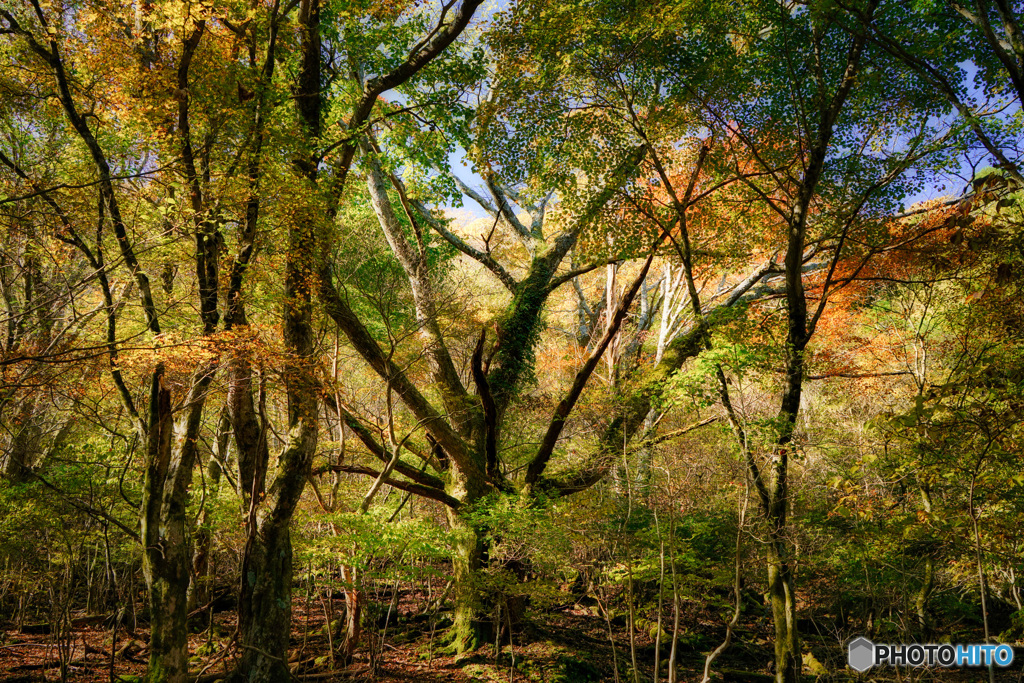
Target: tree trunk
[
  {"x": 265, "y": 610},
  {"x": 199, "y": 590},
  {"x": 928, "y": 580},
  {"x": 471, "y": 627},
  {"x": 923, "y": 596},
  {"x": 353, "y": 611},
  {"x": 166, "y": 572},
  {"x": 788, "y": 659},
  {"x": 26, "y": 434},
  {"x": 165, "y": 555},
  {"x": 265, "y": 605},
  {"x": 645, "y": 459}
]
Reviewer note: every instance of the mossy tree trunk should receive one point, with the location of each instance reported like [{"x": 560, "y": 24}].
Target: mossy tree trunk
[
  {"x": 781, "y": 589},
  {"x": 265, "y": 600},
  {"x": 266, "y": 595},
  {"x": 163, "y": 543},
  {"x": 166, "y": 554},
  {"x": 265, "y": 610},
  {"x": 471, "y": 622}
]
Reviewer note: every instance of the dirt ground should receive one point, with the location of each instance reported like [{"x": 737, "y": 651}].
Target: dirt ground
[{"x": 569, "y": 644}]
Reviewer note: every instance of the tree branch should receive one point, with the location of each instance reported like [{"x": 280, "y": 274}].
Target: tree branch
[
  {"x": 420, "y": 490},
  {"x": 565, "y": 406},
  {"x": 490, "y": 411},
  {"x": 367, "y": 347},
  {"x": 438, "y": 39}
]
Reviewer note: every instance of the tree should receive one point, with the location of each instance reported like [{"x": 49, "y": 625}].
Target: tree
[
  {"x": 201, "y": 199},
  {"x": 169, "y": 462},
  {"x": 935, "y": 40}
]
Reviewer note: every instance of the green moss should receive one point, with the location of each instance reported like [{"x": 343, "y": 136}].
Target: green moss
[
  {"x": 572, "y": 669},
  {"x": 813, "y": 666},
  {"x": 519, "y": 330}
]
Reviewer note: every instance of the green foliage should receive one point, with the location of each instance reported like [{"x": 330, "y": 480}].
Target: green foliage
[
  {"x": 408, "y": 549},
  {"x": 582, "y": 105}
]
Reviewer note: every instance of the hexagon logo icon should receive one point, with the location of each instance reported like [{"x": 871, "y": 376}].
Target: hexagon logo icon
[{"x": 861, "y": 654}]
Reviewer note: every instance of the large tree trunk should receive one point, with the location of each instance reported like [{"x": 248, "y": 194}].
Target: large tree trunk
[
  {"x": 265, "y": 600},
  {"x": 166, "y": 572},
  {"x": 266, "y": 595},
  {"x": 168, "y": 648},
  {"x": 471, "y": 615},
  {"x": 265, "y": 609},
  {"x": 471, "y": 625},
  {"x": 265, "y": 603},
  {"x": 166, "y": 556}
]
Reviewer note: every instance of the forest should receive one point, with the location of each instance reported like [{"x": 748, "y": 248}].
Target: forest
[{"x": 558, "y": 341}]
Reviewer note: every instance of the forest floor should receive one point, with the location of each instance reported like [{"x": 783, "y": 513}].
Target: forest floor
[{"x": 569, "y": 644}]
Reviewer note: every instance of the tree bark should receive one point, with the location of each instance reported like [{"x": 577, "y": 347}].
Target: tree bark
[
  {"x": 199, "y": 589},
  {"x": 781, "y": 589},
  {"x": 471, "y": 625},
  {"x": 166, "y": 556},
  {"x": 353, "y": 611},
  {"x": 471, "y": 622},
  {"x": 266, "y": 586},
  {"x": 265, "y": 601},
  {"x": 265, "y": 610}
]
